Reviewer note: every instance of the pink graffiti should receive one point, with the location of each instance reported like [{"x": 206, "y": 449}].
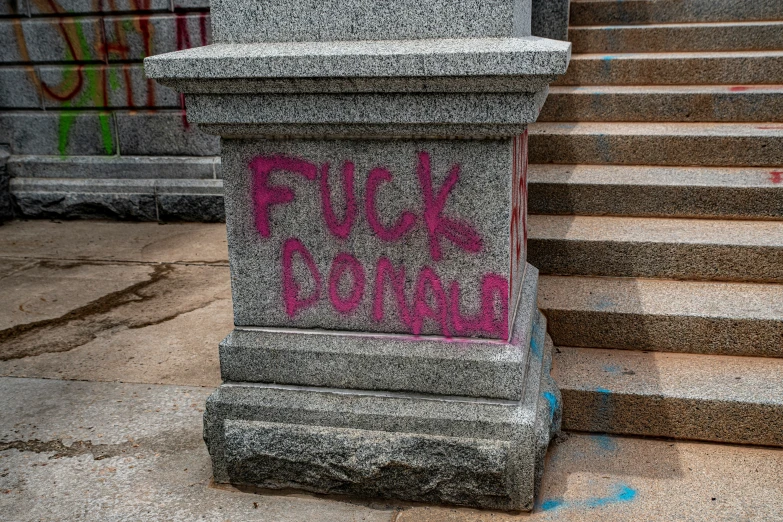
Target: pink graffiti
[
  {"x": 430, "y": 301},
  {"x": 340, "y": 264},
  {"x": 776, "y": 176},
  {"x": 494, "y": 290},
  {"x": 339, "y": 229},
  {"x": 428, "y": 284},
  {"x": 265, "y": 195},
  {"x": 404, "y": 223},
  {"x": 385, "y": 271},
  {"x": 458, "y": 232},
  {"x": 293, "y": 303}
]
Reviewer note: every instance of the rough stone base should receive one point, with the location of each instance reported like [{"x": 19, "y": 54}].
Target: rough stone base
[
  {"x": 6, "y": 210},
  {"x": 485, "y": 453},
  {"x": 142, "y": 200}
]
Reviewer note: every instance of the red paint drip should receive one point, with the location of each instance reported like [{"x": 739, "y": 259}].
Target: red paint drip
[
  {"x": 202, "y": 24},
  {"x": 739, "y": 88},
  {"x": 776, "y": 176}
]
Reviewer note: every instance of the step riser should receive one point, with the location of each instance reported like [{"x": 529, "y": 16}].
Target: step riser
[
  {"x": 619, "y": 149},
  {"x": 657, "y": 260},
  {"x": 672, "y": 11},
  {"x": 676, "y": 70},
  {"x": 699, "y": 419},
  {"x": 756, "y": 37},
  {"x": 739, "y": 106},
  {"x": 681, "y": 334},
  {"x": 655, "y": 201}
]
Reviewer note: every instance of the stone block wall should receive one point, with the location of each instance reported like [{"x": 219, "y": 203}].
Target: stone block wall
[{"x": 76, "y": 106}]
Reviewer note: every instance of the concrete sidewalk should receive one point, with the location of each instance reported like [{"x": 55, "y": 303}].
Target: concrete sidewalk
[{"x": 108, "y": 349}]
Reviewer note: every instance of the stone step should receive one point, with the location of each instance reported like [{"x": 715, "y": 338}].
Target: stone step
[
  {"x": 120, "y": 198},
  {"x": 680, "y": 68},
  {"x": 665, "y": 103},
  {"x": 736, "y": 193},
  {"x": 727, "y": 36},
  {"x": 705, "y": 397},
  {"x": 679, "y": 144},
  {"x": 696, "y": 249},
  {"x": 624, "y": 12},
  {"x": 663, "y": 315}
]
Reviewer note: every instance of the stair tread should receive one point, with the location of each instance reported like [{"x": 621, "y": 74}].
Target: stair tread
[
  {"x": 756, "y": 129},
  {"x": 658, "y": 230},
  {"x": 676, "y": 25},
  {"x": 666, "y": 89},
  {"x": 676, "y": 55},
  {"x": 745, "y": 177},
  {"x": 660, "y": 297},
  {"x": 679, "y": 375}
]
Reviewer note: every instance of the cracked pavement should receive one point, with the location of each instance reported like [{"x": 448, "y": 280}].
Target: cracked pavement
[{"x": 108, "y": 350}]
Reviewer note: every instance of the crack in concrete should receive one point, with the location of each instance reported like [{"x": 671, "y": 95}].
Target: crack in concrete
[
  {"x": 99, "y": 306},
  {"x": 82, "y": 325},
  {"x": 77, "y": 448}
]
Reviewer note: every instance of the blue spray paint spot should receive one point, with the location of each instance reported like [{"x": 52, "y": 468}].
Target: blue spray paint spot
[
  {"x": 607, "y": 58},
  {"x": 535, "y": 347},
  {"x": 605, "y": 442},
  {"x": 552, "y": 504},
  {"x": 622, "y": 493},
  {"x": 604, "y": 303},
  {"x": 612, "y": 368},
  {"x": 552, "y": 400},
  {"x": 602, "y": 390}
]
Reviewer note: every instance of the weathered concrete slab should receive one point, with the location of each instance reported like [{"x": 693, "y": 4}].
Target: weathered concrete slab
[
  {"x": 109, "y": 452},
  {"x": 155, "y": 295},
  {"x": 111, "y": 241},
  {"x": 103, "y": 451}
]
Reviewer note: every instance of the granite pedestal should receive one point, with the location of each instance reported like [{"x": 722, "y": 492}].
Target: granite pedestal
[{"x": 374, "y": 158}]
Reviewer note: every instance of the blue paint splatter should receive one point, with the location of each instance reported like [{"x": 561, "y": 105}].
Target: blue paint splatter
[
  {"x": 535, "y": 347},
  {"x": 552, "y": 504},
  {"x": 602, "y": 390},
  {"x": 604, "y": 303},
  {"x": 552, "y": 400},
  {"x": 605, "y": 442},
  {"x": 622, "y": 493},
  {"x": 612, "y": 368}
]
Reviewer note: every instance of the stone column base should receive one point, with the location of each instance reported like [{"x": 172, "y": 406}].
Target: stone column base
[{"x": 459, "y": 449}]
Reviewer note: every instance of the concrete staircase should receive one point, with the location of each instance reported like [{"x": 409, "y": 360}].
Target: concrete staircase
[{"x": 656, "y": 200}]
